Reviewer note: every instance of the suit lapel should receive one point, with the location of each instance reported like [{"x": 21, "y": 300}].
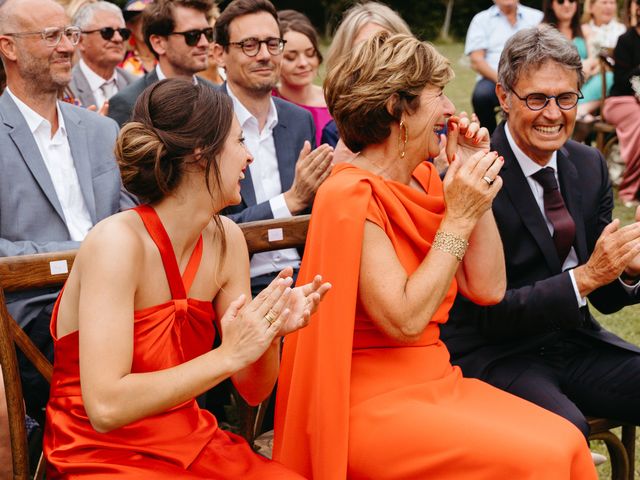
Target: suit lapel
[
  {"x": 284, "y": 151},
  {"x": 77, "y": 136},
  {"x": 85, "y": 95},
  {"x": 568, "y": 176},
  {"x": 26, "y": 145},
  {"x": 519, "y": 192}
]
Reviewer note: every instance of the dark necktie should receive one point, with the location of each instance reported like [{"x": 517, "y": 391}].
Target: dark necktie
[{"x": 564, "y": 228}]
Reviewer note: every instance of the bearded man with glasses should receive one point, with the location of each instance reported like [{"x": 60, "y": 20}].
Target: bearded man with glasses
[
  {"x": 560, "y": 246},
  {"x": 58, "y": 175},
  {"x": 178, "y": 34},
  {"x": 96, "y": 77}
]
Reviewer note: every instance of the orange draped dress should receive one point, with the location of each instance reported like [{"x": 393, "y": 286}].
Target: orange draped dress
[
  {"x": 354, "y": 403},
  {"x": 183, "y": 442}
]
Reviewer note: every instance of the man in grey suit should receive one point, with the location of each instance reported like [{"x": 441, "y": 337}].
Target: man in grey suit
[
  {"x": 59, "y": 175},
  {"x": 286, "y": 172},
  {"x": 96, "y": 77},
  {"x": 178, "y": 34}
]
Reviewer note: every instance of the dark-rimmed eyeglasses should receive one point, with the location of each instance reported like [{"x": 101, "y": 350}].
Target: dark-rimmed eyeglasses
[
  {"x": 561, "y": 2},
  {"x": 251, "y": 46},
  {"x": 53, "y": 35},
  {"x": 192, "y": 37},
  {"x": 537, "y": 101},
  {"x": 108, "y": 32}
]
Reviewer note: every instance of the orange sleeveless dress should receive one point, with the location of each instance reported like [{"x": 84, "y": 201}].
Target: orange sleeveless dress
[
  {"x": 353, "y": 403},
  {"x": 183, "y": 442}
]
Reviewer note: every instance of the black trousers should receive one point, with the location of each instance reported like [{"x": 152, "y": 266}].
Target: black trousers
[
  {"x": 574, "y": 378},
  {"x": 485, "y": 101},
  {"x": 35, "y": 388}
]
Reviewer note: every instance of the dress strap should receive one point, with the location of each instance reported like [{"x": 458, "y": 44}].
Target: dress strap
[{"x": 179, "y": 286}]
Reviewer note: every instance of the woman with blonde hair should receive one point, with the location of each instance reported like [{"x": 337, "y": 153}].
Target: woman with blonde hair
[{"x": 367, "y": 389}]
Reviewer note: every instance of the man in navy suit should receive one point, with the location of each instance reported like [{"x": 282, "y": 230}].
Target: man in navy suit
[
  {"x": 178, "y": 34},
  {"x": 286, "y": 172},
  {"x": 561, "y": 247}
]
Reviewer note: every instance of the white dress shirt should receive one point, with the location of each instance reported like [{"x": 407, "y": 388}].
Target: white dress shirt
[
  {"x": 266, "y": 182},
  {"x": 529, "y": 168},
  {"x": 56, "y": 154},
  {"x": 102, "y": 89}
]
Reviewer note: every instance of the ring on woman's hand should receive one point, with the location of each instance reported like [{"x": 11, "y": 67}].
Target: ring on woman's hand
[
  {"x": 270, "y": 317},
  {"x": 488, "y": 180}
]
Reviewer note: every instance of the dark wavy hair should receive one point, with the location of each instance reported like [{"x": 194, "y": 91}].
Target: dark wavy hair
[{"x": 551, "y": 19}]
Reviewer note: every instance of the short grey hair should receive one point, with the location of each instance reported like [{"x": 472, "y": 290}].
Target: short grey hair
[
  {"x": 533, "y": 47},
  {"x": 84, "y": 16}
]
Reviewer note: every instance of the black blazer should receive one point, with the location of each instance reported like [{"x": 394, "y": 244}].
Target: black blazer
[{"x": 540, "y": 302}]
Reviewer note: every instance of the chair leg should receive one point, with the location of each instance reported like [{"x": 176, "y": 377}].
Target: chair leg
[
  {"x": 617, "y": 454},
  {"x": 629, "y": 442}
]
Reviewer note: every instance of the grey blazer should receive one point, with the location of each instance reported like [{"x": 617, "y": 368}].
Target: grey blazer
[
  {"x": 295, "y": 125},
  {"x": 82, "y": 91},
  {"x": 31, "y": 218}
]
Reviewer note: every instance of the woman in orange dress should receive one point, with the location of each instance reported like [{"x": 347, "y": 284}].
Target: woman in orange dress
[
  {"x": 367, "y": 389},
  {"x": 135, "y": 323}
]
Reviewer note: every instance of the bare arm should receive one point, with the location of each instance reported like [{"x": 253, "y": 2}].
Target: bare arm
[
  {"x": 480, "y": 65},
  {"x": 402, "y": 305}
]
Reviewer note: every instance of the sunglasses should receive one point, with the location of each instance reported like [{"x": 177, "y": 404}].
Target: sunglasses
[
  {"x": 108, "y": 32},
  {"x": 192, "y": 37},
  {"x": 561, "y": 2}
]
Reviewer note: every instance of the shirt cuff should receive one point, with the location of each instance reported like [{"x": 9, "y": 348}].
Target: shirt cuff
[
  {"x": 279, "y": 207},
  {"x": 629, "y": 288},
  {"x": 582, "y": 301}
]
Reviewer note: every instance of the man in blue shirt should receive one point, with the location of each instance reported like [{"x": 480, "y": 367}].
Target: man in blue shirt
[{"x": 487, "y": 34}]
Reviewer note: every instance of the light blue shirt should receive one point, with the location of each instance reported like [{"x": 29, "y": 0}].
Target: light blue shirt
[{"x": 490, "y": 29}]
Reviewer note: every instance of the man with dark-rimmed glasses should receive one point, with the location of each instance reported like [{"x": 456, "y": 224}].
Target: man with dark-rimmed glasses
[
  {"x": 286, "y": 171},
  {"x": 561, "y": 247},
  {"x": 178, "y": 34},
  {"x": 96, "y": 77},
  {"x": 58, "y": 174}
]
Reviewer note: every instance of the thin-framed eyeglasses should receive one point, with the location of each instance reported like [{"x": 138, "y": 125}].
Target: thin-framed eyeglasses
[
  {"x": 251, "y": 46},
  {"x": 107, "y": 33},
  {"x": 537, "y": 101},
  {"x": 53, "y": 35},
  {"x": 192, "y": 37}
]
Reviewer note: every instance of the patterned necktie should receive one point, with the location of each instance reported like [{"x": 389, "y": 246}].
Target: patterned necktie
[{"x": 564, "y": 228}]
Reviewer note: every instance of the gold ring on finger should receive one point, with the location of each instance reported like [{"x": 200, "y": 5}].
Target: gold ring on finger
[
  {"x": 488, "y": 180},
  {"x": 270, "y": 317}
]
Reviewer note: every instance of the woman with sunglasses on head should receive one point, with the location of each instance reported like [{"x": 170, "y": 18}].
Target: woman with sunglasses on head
[
  {"x": 300, "y": 61},
  {"x": 96, "y": 77},
  {"x": 622, "y": 107},
  {"x": 149, "y": 288}
]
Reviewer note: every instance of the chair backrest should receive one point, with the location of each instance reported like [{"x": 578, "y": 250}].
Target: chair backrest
[{"x": 51, "y": 269}]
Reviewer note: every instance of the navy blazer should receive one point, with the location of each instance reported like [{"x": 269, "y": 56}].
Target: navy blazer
[
  {"x": 295, "y": 125},
  {"x": 540, "y": 303},
  {"x": 122, "y": 103}
]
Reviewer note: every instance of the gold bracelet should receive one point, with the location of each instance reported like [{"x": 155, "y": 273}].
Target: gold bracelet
[{"x": 450, "y": 243}]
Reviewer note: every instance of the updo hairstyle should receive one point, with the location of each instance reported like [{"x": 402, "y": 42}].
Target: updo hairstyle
[
  {"x": 171, "y": 119},
  {"x": 382, "y": 68}
]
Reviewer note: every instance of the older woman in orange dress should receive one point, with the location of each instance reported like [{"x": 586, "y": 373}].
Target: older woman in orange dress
[{"x": 367, "y": 390}]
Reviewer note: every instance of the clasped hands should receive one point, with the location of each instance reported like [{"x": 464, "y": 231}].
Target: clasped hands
[{"x": 472, "y": 181}]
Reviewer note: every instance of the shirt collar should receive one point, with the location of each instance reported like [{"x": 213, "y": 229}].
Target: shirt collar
[
  {"x": 528, "y": 166},
  {"x": 244, "y": 115},
  {"x": 495, "y": 10},
  {"x": 35, "y": 120},
  {"x": 95, "y": 80},
  {"x": 162, "y": 76}
]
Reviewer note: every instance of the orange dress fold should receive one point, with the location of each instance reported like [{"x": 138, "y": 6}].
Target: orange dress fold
[
  {"x": 353, "y": 403},
  {"x": 182, "y": 442}
]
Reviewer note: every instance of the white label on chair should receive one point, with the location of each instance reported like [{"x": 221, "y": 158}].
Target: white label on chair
[
  {"x": 275, "y": 234},
  {"x": 58, "y": 267}
]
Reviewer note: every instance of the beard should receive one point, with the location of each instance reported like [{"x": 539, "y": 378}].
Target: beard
[{"x": 48, "y": 76}]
